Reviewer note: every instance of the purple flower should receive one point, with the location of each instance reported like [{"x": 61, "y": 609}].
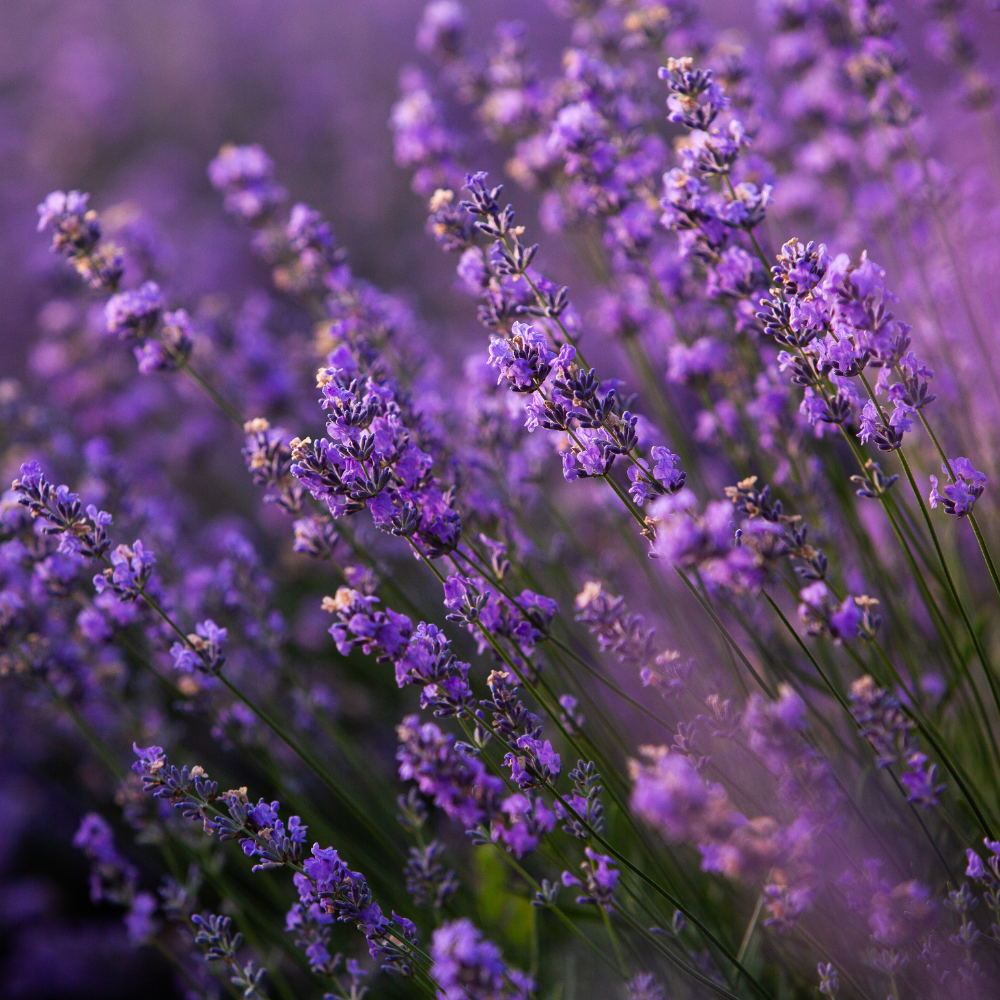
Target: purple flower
[
  {"x": 960, "y": 495},
  {"x": 456, "y": 782},
  {"x": 134, "y": 313},
  {"x": 95, "y": 836},
  {"x": 644, "y": 987},
  {"x": 527, "y": 820},
  {"x": 901, "y": 914},
  {"x": 112, "y": 878},
  {"x": 384, "y": 634},
  {"x": 600, "y": 876},
  {"x": 670, "y": 794},
  {"x": 821, "y": 614},
  {"x": 245, "y": 175},
  {"x": 695, "y": 99},
  {"x": 441, "y": 29},
  {"x": 975, "y": 867},
  {"x": 139, "y": 920},
  {"x": 920, "y": 781},
  {"x": 537, "y": 765},
  {"x": 467, "y": 967},
  {"x": 61, "y": 204},
  {"x": 203, "y": 650},
  {"x": 76, "y": 235},
  {"x": 131, "y": 569}
]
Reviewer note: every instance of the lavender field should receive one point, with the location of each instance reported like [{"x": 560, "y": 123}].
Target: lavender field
[{"x": 499, "y": 501}]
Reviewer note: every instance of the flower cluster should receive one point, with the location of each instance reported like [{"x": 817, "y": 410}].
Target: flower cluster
[
  {"x": 327, "y": 886},
  {"x": 113, "y": 878},
  {"x": 203, "y": 650},
  {"x": 631, "y": 640},
  {"x": 261, "y": 832},
  {"x": 704, "y": 219},
  {"x": 420, "y": 655},
  {"x": 725, "y": 554},
  {"x": 882, "y": 721},
  {"x": 833, "y": 321},
  {"x": 163, "y": 340},
  {"x": 455, "y": 781},
  {"x": 670, "y": 794},
  {"x": 245, "y": 176},
  {"x": 524, "y": 620},
  {"x": 60, "y": 513},
  {"x": 966, "y": 486},
  {"x": 76, "y": 235},
  {"x": 370, "y": 460},
  {"x": 467, "y": 966},
  {"x": 219, "y": 944},
  {"x": 600, "y": 876},
  {"x": 427, "y": 880},
  {"x": 590, "y": 424}
]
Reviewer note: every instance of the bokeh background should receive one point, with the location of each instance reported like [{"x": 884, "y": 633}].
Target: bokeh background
[{"x": 130, "y": 101}]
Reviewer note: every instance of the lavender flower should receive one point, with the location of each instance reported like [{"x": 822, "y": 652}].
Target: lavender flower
[
  {"x": 823, "y": 616},
  {"x": 727, "y": 556},
  {"x": 526, "y": 821},
  {"x": 171, "y": 349},
  {"x": 111, "y": 877},
  {"x": 600, "y": 876},
  {"x": 456, "y": 782},
  {"x": 465, "y": 965},
  {"x": 60, "y": 513},
  {"x": 220, "y": 945},
  {"x": 441, "y": 29},
  {"x": 538, "y": 764},
  {"x": 960, "y": 495},
  {"x": 881, "y": 721},
  {"x": 645, "y": 987},
  {"x": 829, "y": 981},
  {"x": 427, "y": 880},
  {"x": 134, "y": 314},
  {"x": 203, "y": 650},
  {"x": 421, "y": 655},
  {"x": 245, "y": 175},
  {"x": 835, "y": 319},
  {"x": 114, "y": 879},
  {"x": 130, "y": 571},
  {"x": 77, "y": 237},
  {"x": 370, "y": 460},
  {"x": 264, "y": 835},
  {"x": 633, "y": 643}
]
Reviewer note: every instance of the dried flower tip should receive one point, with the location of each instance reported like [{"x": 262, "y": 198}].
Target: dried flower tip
[
  {"x": 441, "y": 198},
  {"x": 590, "y": 593}
]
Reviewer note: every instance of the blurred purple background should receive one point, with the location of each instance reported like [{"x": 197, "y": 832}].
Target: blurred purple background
[{"x": 130, "y": 101}]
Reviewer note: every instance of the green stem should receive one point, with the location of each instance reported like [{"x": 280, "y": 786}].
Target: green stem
[
  {"x": 614, "y": 942},
  {"x": 220, "y": 401},
  {"x": 751, "y": 927}
]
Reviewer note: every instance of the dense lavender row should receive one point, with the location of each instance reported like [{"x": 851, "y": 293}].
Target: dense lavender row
[{"x": 641, "y": 641}]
